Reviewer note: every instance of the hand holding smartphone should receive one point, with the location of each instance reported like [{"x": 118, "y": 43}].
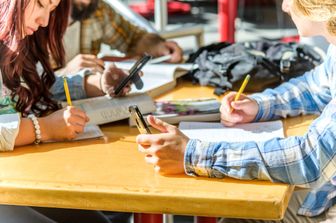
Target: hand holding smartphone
[
  {"x": 139, "y": 120},
  {"x": 134, "y": 75}
]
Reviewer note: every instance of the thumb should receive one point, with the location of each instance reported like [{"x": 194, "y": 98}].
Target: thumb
[{"x": 160, "y": 125}]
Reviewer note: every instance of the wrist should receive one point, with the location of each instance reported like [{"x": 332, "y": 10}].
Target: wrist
[
  {"x": 36, "y": 128},
  {"x": 93, "y": 85},
  {"x": 45, "y": 135}
]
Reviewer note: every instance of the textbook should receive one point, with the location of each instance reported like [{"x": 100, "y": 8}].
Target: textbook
[
  {"x": 158, "y": 78},
  {"x": 105, "y": 109},
  {"x": 175, "y": 111},
  {"x": 216, "y": 132}
]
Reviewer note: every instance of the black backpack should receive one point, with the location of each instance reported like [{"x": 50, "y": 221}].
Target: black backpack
[{"x": 269, "y": 63}]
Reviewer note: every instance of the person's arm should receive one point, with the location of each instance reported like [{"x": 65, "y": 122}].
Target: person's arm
[
  {"x": 122, "y": 35},
  {"x": 304, "y": 161},
  {"x": 86, "y": 84},
  {"x": 118, "y": 33},
  {"x": 76, "y": 85},
  {"x": 307, "y": 94}
]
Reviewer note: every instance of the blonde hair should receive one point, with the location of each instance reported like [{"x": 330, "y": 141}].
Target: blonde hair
[{"x": 318, "y": 10}]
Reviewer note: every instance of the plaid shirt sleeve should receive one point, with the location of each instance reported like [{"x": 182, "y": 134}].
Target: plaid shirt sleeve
[
  {"x": 108, "y": 27},
  {"x": 307, "y": 161},
  {"x": 308, "y": 94}
]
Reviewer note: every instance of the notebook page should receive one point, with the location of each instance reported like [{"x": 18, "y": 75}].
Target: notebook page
[
  {"x": 214, "y": 132},
  {"x": 156, "y": 75},
  {"x": 90, "y": 132}
]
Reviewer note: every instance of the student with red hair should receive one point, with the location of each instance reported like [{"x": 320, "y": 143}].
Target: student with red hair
[{"x": 30, "y": 31}]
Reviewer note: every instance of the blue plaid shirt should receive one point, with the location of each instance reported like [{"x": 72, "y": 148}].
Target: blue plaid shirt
[{"x": 307, "y": 161}]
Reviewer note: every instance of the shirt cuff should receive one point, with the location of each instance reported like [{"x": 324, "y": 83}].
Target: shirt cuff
[
  {"x": 264, "y": 105},
  {"x": 198, "y": 158},
  {"x": 76, "y": 85}
]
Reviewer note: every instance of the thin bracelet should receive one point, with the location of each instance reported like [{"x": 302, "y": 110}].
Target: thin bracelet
[{"x": 37, "y": 128}]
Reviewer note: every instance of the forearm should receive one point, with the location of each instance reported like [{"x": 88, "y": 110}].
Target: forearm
[
  {"x": 26, "y": 134},
  {"x": 93, "y": 86},
  {"x": 306, "y": 161},
  {"x": 147, "y": 44},
  {"x": 302, "y": 95}
]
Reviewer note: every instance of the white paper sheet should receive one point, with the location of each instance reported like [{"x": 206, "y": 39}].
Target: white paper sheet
[
  {"x": 90, "y": 132},
  {"x": 214, "y": 132},
  {"x": 157, "y": 75}
]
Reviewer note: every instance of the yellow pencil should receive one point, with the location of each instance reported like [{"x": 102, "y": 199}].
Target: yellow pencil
[
  {"x": 66, "y": 90},
  {"x": 241, "y": 89}
]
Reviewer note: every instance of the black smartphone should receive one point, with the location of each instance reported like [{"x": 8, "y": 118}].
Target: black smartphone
[
  {"x": 139, "y": 120},
  {"x": 133, "y": 75}
]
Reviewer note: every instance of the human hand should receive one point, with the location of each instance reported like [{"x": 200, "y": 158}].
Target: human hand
[
  {"x": 242, "y": 111},
  {"x": 164, "y": 48},
  {"x": 66, "y": 124},
  {"x": 175, "y": 51},
  {"x": 82, "y": 61},
  {"x": 111, "y": 78},
  {"x": 165, "y": 150}
]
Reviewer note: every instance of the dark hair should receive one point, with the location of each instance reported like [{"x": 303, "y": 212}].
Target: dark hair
[
  {"x": 19, "y": 57},
  {"x": 80, "y": 11}
]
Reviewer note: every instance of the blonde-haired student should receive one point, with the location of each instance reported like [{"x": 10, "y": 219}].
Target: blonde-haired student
[{"x": 308, "y": 161}]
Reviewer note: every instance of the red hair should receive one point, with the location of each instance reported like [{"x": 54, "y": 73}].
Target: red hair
[{"x": 19, "y": 56}]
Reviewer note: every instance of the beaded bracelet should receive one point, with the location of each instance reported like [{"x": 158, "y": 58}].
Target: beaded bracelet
[{"x": 36, "y": 127}]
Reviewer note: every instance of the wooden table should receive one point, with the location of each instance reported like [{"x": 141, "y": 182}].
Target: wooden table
[{"x": 110, "y": 174}]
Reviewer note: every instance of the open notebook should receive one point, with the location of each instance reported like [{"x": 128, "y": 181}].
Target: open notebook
[
  {"x": 104, "y": 109},
  {"x": 158, "y": 78},
  {"x": 214, "y": 132}
]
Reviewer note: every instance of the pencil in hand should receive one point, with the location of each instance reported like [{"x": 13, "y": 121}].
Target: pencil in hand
[
  {"x": 241, "y": 89},
  {"x": 67, "y": 92}
]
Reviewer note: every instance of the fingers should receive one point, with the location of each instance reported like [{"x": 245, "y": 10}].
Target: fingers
[
  {"x": 160, "y": 125},
  {"x": 241, "y": 111},
  {"x": 76, "y": 119},
  {"x": 147, "y": 140},
  {"x": 241, "y": 104},
  {"x": 175, "y": 51},
  {"x": 91, "y": 61},
  {"x": 111, "y": 78}
]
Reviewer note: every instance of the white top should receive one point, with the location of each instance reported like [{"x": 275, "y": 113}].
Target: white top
[{"x": 9, "y": 123}]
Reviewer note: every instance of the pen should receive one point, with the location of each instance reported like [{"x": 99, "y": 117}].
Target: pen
[
  {"x": 66, "y": 90},
  {"x": 241, "y": 89}
]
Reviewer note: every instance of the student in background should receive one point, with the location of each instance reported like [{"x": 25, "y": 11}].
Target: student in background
[
  {"x": 94, "y": 22},
  {"x": 307, "y": 161},
  {"x": 31, "y": 30}
]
